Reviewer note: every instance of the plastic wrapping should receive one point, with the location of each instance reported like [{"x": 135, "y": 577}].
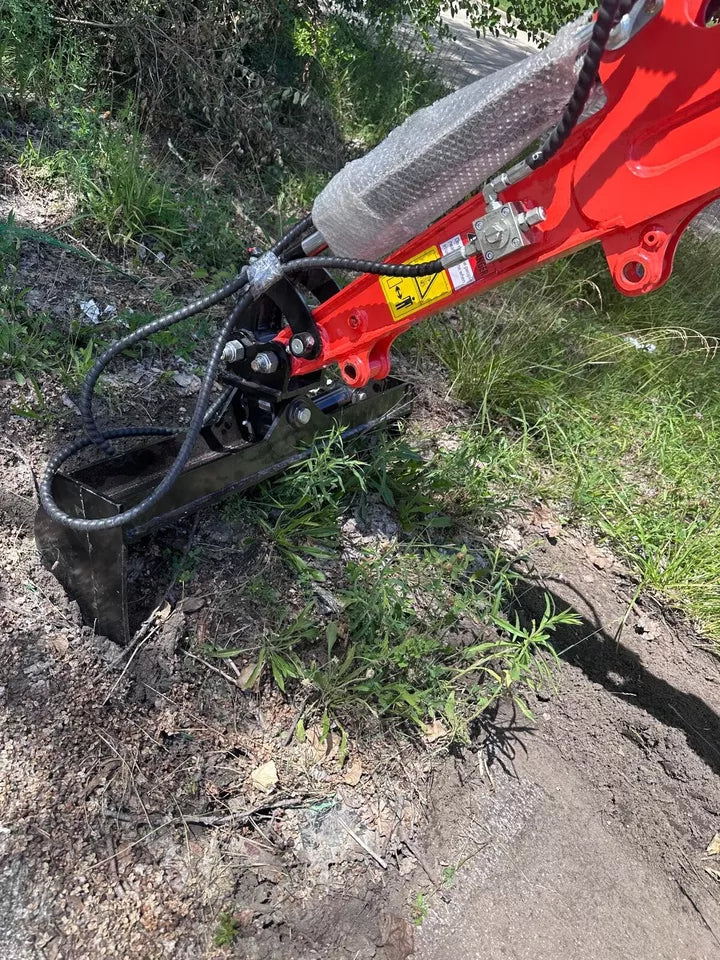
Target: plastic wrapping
[
  {"x": 263, "y": 273},
  {"x": 445, "y": 151}
]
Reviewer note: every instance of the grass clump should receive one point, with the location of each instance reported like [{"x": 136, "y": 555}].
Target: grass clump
[
  {"x": 615, "y": 404},
  {"x": 420, "y": 628}
]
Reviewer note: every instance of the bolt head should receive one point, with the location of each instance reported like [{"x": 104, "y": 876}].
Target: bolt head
[
  {"x": 301, "y": 345},
  {"x": 489, "y": 255},
  {"x": 505, "y": 211},
  {"x": 300, "y": 414},
  {"x": 264, "y": 363},
  {"x": 516, "y": 241}
]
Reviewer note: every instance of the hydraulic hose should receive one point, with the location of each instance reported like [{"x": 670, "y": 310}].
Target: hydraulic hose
[
  {"x": 87, "y": 392},
  {"x": 606, "y": 18},
  {"x": 365, "y": 266},
  {"x": 191, "y": 435},
  {"x": 162, "y": 323},
  {"x": 203, "y": 411}
]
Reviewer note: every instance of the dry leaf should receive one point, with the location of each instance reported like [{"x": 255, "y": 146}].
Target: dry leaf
[
  {"x": 715, "y": 874},
  {"x": 353, "y": 772},
  {"x": 325, "y": 748},
  {"x": 713, "y": 848},
  {"x": 434, "y": 731},
  {"x": 163, "y": 612},
  {"x": 245, "y": 677},
  {"x": 265, "y": 777}
]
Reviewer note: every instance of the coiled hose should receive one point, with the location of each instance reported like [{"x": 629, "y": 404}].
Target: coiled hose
[{"x": 608, "y": 13}]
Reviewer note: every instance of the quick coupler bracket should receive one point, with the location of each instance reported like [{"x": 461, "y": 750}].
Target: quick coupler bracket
[{"x": 92, "y": 566}]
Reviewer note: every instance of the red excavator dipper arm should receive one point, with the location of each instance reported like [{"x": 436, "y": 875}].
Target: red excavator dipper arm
[{"x": 631, "y": 176}]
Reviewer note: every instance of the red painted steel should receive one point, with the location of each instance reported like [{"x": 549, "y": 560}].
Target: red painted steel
[{"x": 630, "y": 177}]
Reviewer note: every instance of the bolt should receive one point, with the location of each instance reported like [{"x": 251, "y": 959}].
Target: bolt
[
  {"x": 357, "y": 320},
  {"x": 265, "y": 363},
  {"x": 234, "y": 351},
  {"x": 358, "y": 396},
  {"x": 531, "y": 217},
  {"x": 302, "y": 344},
  {"x": 299, "y": 414},
  {"x": 489, "y": 255},
  {"x": 505, "y": 211},
  {"x": 516, "y": 241}
]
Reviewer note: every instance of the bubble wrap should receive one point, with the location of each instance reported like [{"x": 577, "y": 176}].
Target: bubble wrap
[{"x": 445, "y": 151}]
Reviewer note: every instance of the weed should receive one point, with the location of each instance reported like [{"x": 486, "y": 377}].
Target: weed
[
  {"x": 227, "y": 929},
  {"x": 278, "y": 648},
  {"x": 419, "y": 909},
  {"x": 183, "y": 564},
  {"x": 126, "y": 198}
]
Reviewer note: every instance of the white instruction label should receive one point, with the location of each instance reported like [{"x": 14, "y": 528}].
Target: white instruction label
[{"x": 461, "y": 274}]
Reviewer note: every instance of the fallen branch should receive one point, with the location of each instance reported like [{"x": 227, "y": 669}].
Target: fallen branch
[
  {"x": 376, "y": 856},
  {"x": 216, "y": 820}
]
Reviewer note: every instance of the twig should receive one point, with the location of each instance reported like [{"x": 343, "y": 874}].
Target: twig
[
  {"x": 376, "y": 856},
  {"x": 220, "y": 673},
  {"x": 157, "y": 821},
  {"x": 130, "y": 660},
  {"x": 427, "y": 869}
]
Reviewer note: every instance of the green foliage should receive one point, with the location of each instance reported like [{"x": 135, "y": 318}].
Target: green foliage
[
  {"x": 227, "y": 929},
  {"x": 420, "y": 631},
  {"x": 370, "y": 82},
  {"x": 124, "y": 195},
  {"x": 33, "y": 344},
  {"x": 420, "y": 909}
]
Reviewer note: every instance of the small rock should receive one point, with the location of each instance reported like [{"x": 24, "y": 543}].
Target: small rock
[
  {"x": 192, "y": 604},
  {"x": 597, "y": 559},
  {"x": 187, "y": 383},
  {"x": 34, "y": 669},
  {"x": 265, "y": 777}
]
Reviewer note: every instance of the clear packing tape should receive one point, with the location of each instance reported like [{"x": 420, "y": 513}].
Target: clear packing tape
[{"x": 443, "y": 152}]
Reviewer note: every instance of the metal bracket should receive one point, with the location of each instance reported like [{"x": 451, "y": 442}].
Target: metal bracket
[
  {"x": 632, "y": 22},
  {"x": 93, "y": 566},
  {"x": 502, "y": 230}
]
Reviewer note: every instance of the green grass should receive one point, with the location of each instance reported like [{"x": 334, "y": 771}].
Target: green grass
[
  {"x": 422, "y": 629},
  {"x": 369, "y": 82},
  {"x": 614, "y": 406}
]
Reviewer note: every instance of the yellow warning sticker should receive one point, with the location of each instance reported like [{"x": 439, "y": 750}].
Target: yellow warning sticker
[{"x": 408, "y": 295}]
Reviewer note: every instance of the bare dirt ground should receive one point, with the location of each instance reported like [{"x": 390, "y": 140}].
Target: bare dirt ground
[{"x": 131, "y": 821}]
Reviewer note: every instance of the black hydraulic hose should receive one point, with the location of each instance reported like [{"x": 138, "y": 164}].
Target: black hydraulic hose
[
  {"x": 191, "y": 435},
  {"x": 604, "y": 22},
  {"x": 203, "y": 411},
  {"x": 87, "y": 392},
  {"x": 292, "y": 235},
  {"x": 365, "y": 266},
  {"x": 98, "y": 437}
]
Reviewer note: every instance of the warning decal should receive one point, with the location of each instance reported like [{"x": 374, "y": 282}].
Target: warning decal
[{"x": 408, "y": 295}]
